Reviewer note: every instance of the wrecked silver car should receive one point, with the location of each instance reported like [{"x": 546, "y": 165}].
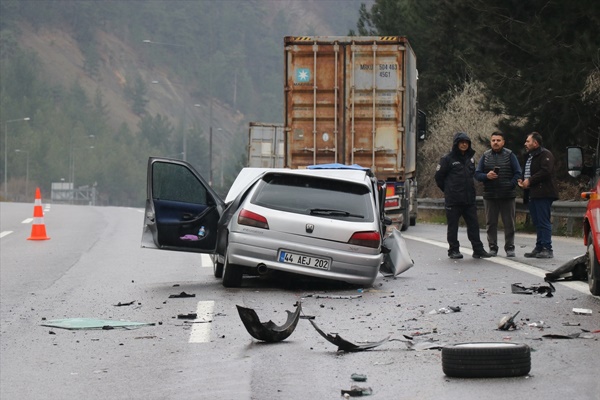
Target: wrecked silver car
[{"x": 327, "y": 222}]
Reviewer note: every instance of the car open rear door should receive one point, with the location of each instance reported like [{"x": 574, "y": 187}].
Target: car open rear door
[{"x": 182, "y": 210}]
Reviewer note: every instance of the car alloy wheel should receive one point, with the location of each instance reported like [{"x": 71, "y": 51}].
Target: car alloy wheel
[{"x": 486, "y": 360}]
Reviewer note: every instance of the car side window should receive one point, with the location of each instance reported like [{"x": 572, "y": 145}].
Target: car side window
[{"x": 175, "y": 182}]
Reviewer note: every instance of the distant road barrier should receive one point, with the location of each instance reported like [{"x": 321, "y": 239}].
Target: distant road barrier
[{"x": 570, "y": 210}]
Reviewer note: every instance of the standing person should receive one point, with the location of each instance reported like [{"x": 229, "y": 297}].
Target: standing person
[
  {"x": 454, "y": 176},
  {"x": 539, "y": 193},
  {"x": 499, "y": 170}
]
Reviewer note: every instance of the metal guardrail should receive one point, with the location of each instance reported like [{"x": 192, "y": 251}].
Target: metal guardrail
[{"x": 571, "y": 210}]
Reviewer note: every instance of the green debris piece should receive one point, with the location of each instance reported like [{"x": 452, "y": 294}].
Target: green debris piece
[
  {"x": 93, "y": 323},
  {"x": 359, "y": 377}
]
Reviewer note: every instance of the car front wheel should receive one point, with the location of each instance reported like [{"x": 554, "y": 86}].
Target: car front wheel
[
  {"x": 232, "y": 274},
  {"x": 218, "y": 269},
  {"x": 593, "y": 268}
]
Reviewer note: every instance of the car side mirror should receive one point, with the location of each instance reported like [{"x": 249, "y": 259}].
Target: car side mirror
[{"x": 387, "y": 221}]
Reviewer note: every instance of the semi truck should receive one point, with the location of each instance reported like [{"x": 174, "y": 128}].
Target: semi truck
[{"x": 353, "y": 100}]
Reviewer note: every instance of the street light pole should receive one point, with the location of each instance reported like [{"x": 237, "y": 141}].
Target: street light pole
[
  {"x": 26, "y": 170},
  {"x": 6, "y": 153},
  {"x": 210, "y": 157}
]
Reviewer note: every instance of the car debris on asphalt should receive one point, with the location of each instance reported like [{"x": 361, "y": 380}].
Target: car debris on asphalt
[
  {"x": 119, "y": 304},
  {"x": 269, "y": 331},
  {"x": 547, "y": 291},
  {"x": 357, "y": 391},
  {"x": 93, "y": 323},
  {"x": 344, "y": 345},
  {"x": 507, "y": 322},
  {"x": 181, "y": 295}
]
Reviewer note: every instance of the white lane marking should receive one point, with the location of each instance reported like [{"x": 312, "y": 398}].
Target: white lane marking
[
  {"x": 27, "y": 220},
  {"x": 202, "y": 324},
  {"x": 5, "y": 233},
  {"x": 206, "y": 261},
  {"x": 581, "y": 287}
]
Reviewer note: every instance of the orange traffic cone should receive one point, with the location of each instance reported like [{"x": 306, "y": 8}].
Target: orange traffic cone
[{"x": 38, "y": 229}]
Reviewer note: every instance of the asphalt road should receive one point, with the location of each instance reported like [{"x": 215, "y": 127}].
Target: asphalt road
[{"x": 93, "y": 262}]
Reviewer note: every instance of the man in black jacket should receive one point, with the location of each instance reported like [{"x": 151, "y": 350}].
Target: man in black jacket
[
  {"x": 499, "y": 170},
  {"x": 539, "y": 193},
  {"x": 454, "y": 176}
]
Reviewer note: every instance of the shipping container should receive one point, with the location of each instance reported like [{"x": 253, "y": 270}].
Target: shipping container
[{"x": 353, "y": 100}]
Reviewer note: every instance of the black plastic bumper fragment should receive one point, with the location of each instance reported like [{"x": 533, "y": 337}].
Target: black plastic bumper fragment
[{"x": 268, "y": 331}]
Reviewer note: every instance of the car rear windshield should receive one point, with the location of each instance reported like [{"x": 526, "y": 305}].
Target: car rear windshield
[{"x": 327, "y": 198}]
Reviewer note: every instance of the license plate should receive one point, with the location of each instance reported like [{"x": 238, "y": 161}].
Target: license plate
[{"x": 304, "y": 260}]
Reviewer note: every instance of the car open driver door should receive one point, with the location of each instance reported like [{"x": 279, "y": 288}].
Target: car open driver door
[{"x": 182, "y": 210}]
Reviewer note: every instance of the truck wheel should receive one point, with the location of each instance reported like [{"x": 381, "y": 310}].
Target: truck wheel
[
  {"x": 593, "y": 267},
  {"x": 486, "y": 360},
  {"x": 405, "y": 217},
  {"x": 232, "y": 274}
]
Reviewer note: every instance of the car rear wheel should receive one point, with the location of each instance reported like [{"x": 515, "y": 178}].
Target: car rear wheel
[
  {"x": 486, "y": 360},
  {"x": 232, "y": 274},
  {"x": 593, "y": 271}
]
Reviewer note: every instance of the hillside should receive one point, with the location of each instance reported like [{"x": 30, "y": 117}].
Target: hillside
[
  {"x": 145, "y": 78},
  {"x": 121, "y": 60}
]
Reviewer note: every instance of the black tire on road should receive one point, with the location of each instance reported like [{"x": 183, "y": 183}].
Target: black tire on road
[
  {"x": 593, "y": 268},
  {"x": 486, "y": 360},
  {"x": 232, "y": 274}
]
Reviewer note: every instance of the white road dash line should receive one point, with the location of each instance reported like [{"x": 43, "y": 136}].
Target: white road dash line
[
  {"x": 202, "y": 325},
  {"x": 27, "y": 220},
  {"x": 206, "y": 261},
  {"x": 581, "y": 287},
  {"x": 5, "y": 233}
]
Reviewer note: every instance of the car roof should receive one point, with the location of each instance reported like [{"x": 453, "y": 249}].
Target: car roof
[{"x": 249, "y": 174}]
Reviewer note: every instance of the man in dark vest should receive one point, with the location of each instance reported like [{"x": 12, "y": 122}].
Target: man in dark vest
[
  {"x": 499, "y": 170},
  {"x": 454, "y": 176}
]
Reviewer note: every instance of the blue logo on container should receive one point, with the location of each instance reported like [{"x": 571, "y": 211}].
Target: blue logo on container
[{"x": 302, "y": 75}]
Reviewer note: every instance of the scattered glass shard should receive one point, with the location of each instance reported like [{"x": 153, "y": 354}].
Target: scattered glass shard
[{"x": 93, "y": 323}]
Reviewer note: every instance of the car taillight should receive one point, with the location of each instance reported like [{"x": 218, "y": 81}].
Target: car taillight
[
  {"x": 249, "y": 218},
  {"x": 366, "y": 239}
]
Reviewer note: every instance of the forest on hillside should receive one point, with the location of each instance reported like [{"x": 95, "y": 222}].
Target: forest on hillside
[
  {"x": 517, "y": 66},
  {"x": 223, "y": 52}
]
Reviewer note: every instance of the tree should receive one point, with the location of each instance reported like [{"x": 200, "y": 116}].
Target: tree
[{"x": 535, "y": 58}]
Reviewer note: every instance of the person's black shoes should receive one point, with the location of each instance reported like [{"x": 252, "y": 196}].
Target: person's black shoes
[
  {"x": 455, "y": 255},
  {"x": 533, "y": 254},
  {"x": 481, "y": 254},
  {"x": 545, "y": 253},
  {"x": 510, "y": 253},
  {"x": 493, "y": 251}
]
